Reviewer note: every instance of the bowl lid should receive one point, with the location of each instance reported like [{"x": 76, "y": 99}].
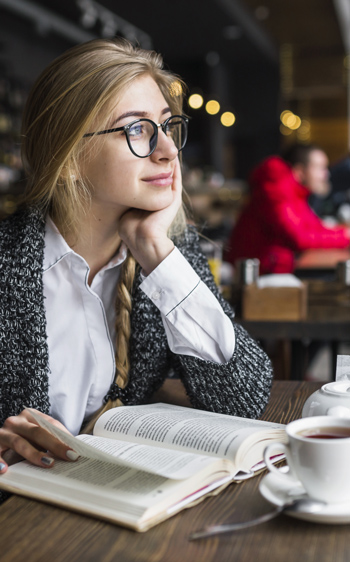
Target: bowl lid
[{"x": 338, "y": 387}]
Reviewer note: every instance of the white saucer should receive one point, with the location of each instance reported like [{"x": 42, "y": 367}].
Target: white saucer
[{"x": 278, "y": 490}]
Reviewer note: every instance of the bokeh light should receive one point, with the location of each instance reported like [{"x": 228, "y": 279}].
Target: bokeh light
[
  {"x": 290, "y": 120},
  {"x": 195, "y": 101},
  {"x": 227, "y": 119},
  {"x": 212, "y": 107}
]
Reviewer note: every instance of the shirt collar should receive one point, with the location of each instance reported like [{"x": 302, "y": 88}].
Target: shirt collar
[{"x": 56, "y": 249}]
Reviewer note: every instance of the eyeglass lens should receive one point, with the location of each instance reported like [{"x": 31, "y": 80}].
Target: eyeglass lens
[{"x": 143, "y": 135}]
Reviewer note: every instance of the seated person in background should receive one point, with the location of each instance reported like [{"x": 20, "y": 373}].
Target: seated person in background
[{"x": 278, "y": 221}]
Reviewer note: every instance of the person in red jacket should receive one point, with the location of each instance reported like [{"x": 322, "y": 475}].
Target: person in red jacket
[{"x": 277, "y": 223}]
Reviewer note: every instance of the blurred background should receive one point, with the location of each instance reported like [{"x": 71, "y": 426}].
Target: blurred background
[{"x": 260, "y": 73}]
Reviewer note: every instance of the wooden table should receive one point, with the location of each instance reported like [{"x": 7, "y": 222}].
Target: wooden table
[
  {"x": 320, "y": 262},
  {"x": 322, "y": 258},
  {"x": 34, "y": 532}
]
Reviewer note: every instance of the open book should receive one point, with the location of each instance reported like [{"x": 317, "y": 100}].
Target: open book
[{"x": 145, "y": 463}]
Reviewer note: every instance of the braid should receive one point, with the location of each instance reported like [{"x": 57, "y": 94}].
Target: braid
[
  {"x": 123, "y": 330},
  {"x": 123, "y": 324}
]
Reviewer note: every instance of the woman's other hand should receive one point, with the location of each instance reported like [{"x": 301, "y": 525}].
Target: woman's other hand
[
  {"x": 21, "y": 435},
  {"x": 145, "y": 232}
]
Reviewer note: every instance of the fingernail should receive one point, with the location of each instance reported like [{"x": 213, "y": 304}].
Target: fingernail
[
  {"x": 72, "y": 455},
  {"x": 2, "y": 466},
  {"x": 47, "y": 460}
]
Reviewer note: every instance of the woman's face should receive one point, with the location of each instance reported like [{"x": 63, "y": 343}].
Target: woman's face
[{"x": 118, "y": 179}]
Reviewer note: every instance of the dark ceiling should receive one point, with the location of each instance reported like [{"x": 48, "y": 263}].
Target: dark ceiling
[
  {"x": 187, "y": 30},
  {"x": 238, "y": 32}
]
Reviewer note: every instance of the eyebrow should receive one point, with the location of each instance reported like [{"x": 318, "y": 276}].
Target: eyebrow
[{"x": 139, "y": 114}]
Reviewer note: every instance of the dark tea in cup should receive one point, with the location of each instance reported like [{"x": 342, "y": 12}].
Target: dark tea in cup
[{"x": 336, "y": 432}]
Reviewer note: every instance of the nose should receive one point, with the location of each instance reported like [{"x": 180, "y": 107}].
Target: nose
[{"x": 165, "y": 148}]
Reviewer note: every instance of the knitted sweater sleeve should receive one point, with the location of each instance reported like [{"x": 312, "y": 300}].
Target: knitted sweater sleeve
[{"x": 239, "y": 387}]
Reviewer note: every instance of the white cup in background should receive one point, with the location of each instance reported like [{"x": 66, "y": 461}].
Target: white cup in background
[{"x": 318, "y": 454}]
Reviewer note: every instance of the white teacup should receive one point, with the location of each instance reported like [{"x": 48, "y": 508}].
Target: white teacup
[{"x": 318, "y": 454}]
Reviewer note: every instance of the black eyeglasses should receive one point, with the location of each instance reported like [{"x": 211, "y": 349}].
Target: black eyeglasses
[{"x": 142, "y": 134}]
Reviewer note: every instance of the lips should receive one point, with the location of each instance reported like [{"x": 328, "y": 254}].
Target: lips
[{"x": 160, "y": 179}]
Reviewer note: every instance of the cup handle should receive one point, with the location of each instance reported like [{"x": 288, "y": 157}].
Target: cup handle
[{"x": 268, "y": 453}]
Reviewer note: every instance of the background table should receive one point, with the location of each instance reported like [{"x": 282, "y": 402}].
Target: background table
[
  {"x": 328, "y": 315},
  {"x": 321, "y": 260},
  {"x": 328, "y": 319},
  {"x": 35, "y": 532}
]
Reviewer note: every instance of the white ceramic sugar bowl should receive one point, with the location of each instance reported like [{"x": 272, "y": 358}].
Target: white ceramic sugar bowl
[{"x": 331, "y": 399}]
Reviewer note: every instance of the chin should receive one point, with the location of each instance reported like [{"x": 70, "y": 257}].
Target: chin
[
  {"x": 154, "y": 208},
  {"x": 160, "y": 202}
]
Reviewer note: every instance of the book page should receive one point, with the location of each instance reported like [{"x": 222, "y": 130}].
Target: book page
[
  {"x": 134, "y": 498},
  {"x": 163, "y": 462},
  {"x": 96, "y": 474},
  {"x": 177, "y": 465},
  {"x": 181, "y": 428}
]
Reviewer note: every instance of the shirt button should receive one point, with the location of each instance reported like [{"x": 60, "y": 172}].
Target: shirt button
[{"x": 156, "y": 295}]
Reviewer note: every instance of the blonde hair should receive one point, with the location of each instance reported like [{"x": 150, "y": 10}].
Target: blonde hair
[{"x": 74, "y": 95}]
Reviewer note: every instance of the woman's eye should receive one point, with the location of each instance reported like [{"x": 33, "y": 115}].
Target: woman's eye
[{"x": 136, "y": 130}]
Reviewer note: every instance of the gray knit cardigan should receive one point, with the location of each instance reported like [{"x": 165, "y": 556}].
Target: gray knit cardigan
[{"x": 240, "y": 387}]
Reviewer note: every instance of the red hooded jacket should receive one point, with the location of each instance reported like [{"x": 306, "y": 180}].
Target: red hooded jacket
[{"x": 277, "y": 222}]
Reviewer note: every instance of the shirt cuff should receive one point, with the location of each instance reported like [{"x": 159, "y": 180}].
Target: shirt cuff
[{"x": 171, "y": 282}]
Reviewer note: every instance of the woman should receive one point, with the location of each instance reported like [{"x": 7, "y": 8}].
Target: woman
[{"x": 103, "y": 223}]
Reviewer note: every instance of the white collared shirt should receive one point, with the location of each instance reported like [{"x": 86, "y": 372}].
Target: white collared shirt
[{"x": 81, "y": 318}]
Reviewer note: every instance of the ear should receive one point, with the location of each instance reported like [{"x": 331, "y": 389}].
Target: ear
[{"x": 68, "y": 173}]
